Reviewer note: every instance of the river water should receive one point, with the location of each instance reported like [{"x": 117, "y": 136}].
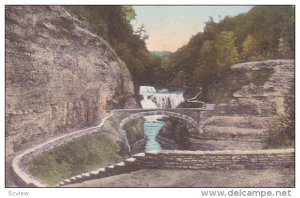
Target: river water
[
  {"x": 153, "y": 99},
  {"x": 152, "y": 126}
]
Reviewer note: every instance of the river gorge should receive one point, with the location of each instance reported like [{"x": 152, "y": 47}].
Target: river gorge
[
  {"x": 157, "y": 99},
  {"x": 78, "y": 107}
]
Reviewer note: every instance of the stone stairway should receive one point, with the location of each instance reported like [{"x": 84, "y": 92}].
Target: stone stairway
[
  {"x": 241, "y": 124},
  {"x": 225, "y": 137},
  {"x": 232, "y": 132},
  {"x": 131, "y": 164},
  {"x": 240, "y": 121}
]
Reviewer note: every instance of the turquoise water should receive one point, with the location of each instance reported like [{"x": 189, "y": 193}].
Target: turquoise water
[{"x": 152, "y": 127}]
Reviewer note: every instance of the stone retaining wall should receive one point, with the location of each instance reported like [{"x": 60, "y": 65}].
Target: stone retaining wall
[
  {"x": 206, "y": 160},
  {"x": 223, "y": 160}
]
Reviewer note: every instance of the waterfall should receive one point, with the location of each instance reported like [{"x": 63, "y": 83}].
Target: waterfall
[
  {"x": 147, "y": 103},
  {"x": 161, "y": 99},
  {"x": 147, "y": 89}
]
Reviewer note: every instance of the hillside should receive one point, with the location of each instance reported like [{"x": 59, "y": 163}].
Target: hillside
[
  {"x": 60, "y": 76},
  {"x": 161, "y": 53},
  {"x": 263, "y": 33}
]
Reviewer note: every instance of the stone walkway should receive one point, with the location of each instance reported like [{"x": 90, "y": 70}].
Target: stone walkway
[{"x": 20, "y": 171}]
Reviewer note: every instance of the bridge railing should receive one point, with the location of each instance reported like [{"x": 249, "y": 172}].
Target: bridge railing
[
  {"x": 208, "y": 107},
  {"x": 196, "y": 113}
]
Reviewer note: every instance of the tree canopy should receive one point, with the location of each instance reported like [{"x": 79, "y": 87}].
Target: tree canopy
[{"x": 265, "y": 32}]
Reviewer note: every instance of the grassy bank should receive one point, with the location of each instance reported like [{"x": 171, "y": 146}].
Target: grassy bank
[{"x": 81, "y": 155}]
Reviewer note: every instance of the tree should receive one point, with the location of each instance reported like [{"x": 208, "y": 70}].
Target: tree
[
  {"x": 248, "y": 47},
  {"x": 282, "y": 133},
  {"x": 263, "y": 32},
  {"x": 113, "y": 24},
  {"x": 226, "y": 51},
  {"x": 180, "y": 78},
  {"x": 129, "y": 13},
  {"x": 284, "y": 49},
  {"x": 206, "y": 72},
  {"x": 153, "y": 71},
  {"x": 210, "y": 28},
  {"x": 141, "y": 32}
]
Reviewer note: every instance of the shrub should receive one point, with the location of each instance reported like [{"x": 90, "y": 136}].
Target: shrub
[{"x": 282, "y": 134}]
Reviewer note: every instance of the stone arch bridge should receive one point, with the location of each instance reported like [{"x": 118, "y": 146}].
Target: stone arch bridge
[{"x": 195, "y": 116}]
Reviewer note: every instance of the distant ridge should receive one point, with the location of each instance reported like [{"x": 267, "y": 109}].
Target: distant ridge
[{"x": 161, "y": 53}]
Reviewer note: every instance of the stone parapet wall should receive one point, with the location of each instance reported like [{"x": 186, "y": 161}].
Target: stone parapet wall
[
  {"x": 222, "y": 160},
  {"x": 21, "y": 161},
  {"x": 168, "y": 159},
  {"x": 206, "y": 160},
  {"x": 195, "y": 113}
]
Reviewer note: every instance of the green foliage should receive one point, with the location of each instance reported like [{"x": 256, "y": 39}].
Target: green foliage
[
  {"x": 284, "y": 49},
  {"x": 204, "y": 73},
  {"x": 282, "y": 134},
  {"x": 265, "y": 32},
  {"x": 248, "y": 47},
  {"x": 141, "y": 32},
  {"x": 129, "y": 13},
  {"x": 180, "y": 78},
  {"x": 76, "y": 157},
  {"x": 113, "y": 24},
  {"x": 226, "y": 51}
]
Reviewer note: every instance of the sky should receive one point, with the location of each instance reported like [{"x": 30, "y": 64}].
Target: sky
[{"x": 170, "y": 27}]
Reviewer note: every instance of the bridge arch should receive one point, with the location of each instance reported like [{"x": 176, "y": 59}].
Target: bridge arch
[
  {"x": 167, "y": 113},
  {"x": 124, "y": 121},
  {"x": 193, "y": 116}
]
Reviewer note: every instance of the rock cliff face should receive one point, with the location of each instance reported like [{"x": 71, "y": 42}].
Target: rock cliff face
[
  {"x": 176, "y": 134},
  {"x": 60, "y": 76},
  {"x": 243, "y": 121},
  {"x": 136, "y": 135}
]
